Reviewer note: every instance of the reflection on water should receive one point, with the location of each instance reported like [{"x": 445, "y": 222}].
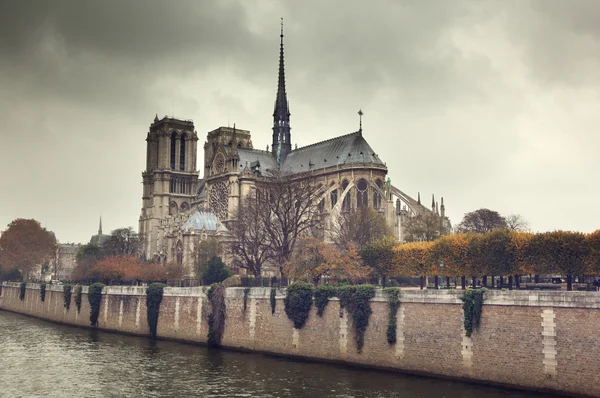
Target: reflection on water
[{"x": 41, "y": 359}]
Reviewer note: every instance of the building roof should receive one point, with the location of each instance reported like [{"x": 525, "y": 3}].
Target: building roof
[
  {"x": 204, "y": 220},
  {"x": 249, "y": 157},
  {"x": 99, "y": 240},
  {"x": 343, "y": 150}
]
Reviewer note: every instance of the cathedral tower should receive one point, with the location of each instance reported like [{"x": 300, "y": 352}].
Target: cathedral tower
[
  {"x": 282, "y": 142},
  {"x": 170, "y": 180}
]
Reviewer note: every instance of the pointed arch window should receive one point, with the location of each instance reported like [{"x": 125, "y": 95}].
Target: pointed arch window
[
  {"x": 377, "y": 195},
  {"x": 182, "y": 152},
  {"x": 173, "y": 149},
  {"x": 346, "y": 201},
  {"x": 179, "y": 252},
  {"x": 362, "y": 193}
]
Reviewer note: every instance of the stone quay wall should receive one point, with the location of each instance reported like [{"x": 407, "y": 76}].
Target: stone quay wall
[{"x": 544, "y": 341}]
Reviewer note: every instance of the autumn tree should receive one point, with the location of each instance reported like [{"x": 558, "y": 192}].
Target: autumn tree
[
  {"x": 314, "y": 259},
  {"x": 121, "y": 268},
  {"x": 25, "y": 245},
  {"x": 87, "y": 257},
  {"x": 481, "y": 221},
  {"x": 451, "y": 254},
  {"x": 593, "y": 257},
  {"x": 359, "y": 226},
  {"x": 560, "y": 251},
  {"x": 379, "y": 255},
  {"x": 122, "y": 241},
  {"x": 414, "y": 259},
  {"x": 423, "y": 228}
]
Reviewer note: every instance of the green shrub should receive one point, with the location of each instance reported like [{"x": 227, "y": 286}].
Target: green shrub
[
  {"x": 95, "y": 298},
  {"x": 273, "y": 300},
  {"x": 216, "y": 271},
  {"x": 154, "y": 295},
  {"x": 23, "y": 290},
  {"x": 42, "y": 292},
  {"x": 394, "y": 304},
  {"x": 356, "y": 299},
  {"x": 246, "y": 293},
  {"x": 298, "y": 301},
  {"x": 322, "y": 296},
  {"x": 216, "y": 318},
  {"x": 78, "y": 298},
  {"x": 472, "y": 307},
  {"x": 67, "y": 296}
]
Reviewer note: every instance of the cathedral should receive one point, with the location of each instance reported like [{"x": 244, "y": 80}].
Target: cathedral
[{"x": 179, "y": 209}]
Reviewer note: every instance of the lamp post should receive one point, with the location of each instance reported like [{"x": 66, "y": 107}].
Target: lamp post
[{"x": 442, "y": 270}]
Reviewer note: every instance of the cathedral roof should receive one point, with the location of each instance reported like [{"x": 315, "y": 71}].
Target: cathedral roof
[
  {"x": 250, "y": 157},
  {"x": 204, "y": 220},
  {"x": 343, "y": 150}
]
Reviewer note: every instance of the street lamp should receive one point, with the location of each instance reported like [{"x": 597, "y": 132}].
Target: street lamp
[{"x": 442, "y": 271}]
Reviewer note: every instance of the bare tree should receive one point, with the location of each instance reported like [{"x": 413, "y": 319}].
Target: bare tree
[
  {"x": 424, "y": 228},
  {"x": 271, "y": 219},
  {"x": 482, "y": 220},
  {"x": 359, "y": 226},
  {"x": 516, "y": 222}
]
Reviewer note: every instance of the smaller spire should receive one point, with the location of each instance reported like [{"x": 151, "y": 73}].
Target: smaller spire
[
  {"x": 419, "y": 197},
  {"x": 100, "y": 227},
  {"x": 442, "y": 206},
  {"x": 360, "y": 115},
  {"x": 432, "y": 202},
  {"x": 156, "y": 118}
]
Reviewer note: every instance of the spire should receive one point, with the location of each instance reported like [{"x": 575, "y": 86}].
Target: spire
[
  {"x": 100, "y": 227},
  {"x": 360, "y": 115},
  {"x": 443, "y": 209},
  {"x": 433, "y": 202},
  {"x": 281, "y": 113},
  {"x": 419, "y": 197}
]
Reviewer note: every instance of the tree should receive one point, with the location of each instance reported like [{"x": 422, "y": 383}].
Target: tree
[
  {"x": 359, "y": 226},
  {"x": 205, "y": 251},
  {"x": 122, "y": 241},
  {"x": 122, "y": 268},
  {"x": 314, "y": 259},
  {"x": 414, "y": 259},
  {"x": 379, "y": 255},
  {"x": 25, "y": 245},
  {"x": 593, "y": 258},
  {"x": 560, "y": 251},
  {"x": 87, "y": 257},
  {"x": 271, "y": 219},
  {"x": 423, "y": 228},
  {"x": 516, "y": 222},
  {"x": 481, "y": 221},
  {"x": 216, "y": 271}
]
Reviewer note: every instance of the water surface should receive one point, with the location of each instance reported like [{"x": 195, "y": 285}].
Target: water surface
[{"x": 43, "y": 359}]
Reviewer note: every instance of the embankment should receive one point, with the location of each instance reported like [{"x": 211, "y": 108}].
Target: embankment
[{"x": 545, "y": 341}]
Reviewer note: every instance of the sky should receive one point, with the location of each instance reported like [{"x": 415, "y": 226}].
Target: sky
[{"x": 490, "y": 104}]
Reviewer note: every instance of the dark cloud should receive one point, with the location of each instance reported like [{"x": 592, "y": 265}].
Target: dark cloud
[{"x": 490, "y": 104}]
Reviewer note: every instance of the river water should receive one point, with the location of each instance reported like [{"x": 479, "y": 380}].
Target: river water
[{"x": 42, "y": 359}]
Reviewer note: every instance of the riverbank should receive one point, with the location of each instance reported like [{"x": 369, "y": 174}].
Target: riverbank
[{"x": 542, "y": 341}]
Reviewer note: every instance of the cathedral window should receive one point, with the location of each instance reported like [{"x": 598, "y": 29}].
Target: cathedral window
[
  {"x": 346, "y": 201},
  {"x": 173, "y": 149},
  {"x": 172, "y": 185},
  {"x": 182, "y": 152},
  {"x": 334, "y": 197},
  {"x": 362, "y": 194},
  {"x": 179, "y": 252},
  {"x": 377, "y": 195}
]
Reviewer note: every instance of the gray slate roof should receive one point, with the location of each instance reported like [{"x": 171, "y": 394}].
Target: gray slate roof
[
  {"x": 343, "y": 150},
  {"x": 203, "y": 220}
]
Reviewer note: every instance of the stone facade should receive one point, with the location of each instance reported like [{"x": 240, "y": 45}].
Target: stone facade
[{"x": 533, "y": 340}]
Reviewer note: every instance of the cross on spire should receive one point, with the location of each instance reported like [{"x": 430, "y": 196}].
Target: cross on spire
[{"x": 360, "y": 115}]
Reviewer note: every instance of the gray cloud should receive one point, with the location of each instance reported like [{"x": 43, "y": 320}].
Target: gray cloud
[{"x": 490, "y": 104}]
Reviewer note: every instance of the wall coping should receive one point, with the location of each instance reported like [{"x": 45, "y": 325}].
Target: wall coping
[{"x": 520, "y": 298}]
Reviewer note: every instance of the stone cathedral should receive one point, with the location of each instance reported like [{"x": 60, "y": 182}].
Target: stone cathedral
[{"x": 179, "y": 209}]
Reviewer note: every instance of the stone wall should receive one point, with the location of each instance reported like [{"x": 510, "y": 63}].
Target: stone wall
[{"x": 535, "y": 340}]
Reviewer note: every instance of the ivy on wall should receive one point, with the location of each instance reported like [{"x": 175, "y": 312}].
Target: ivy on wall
[
  {"x": 246, "y": 293},
  {"x": 394, "y": 304},
  {"x": 322, "y": 296},
  {"x": 95, "y": 298},
  {"x": 42, "y": 292},
  {"x": 472, "y": 307},
  {"x": 67, "y": 296},
  {"x": 216, "y": 318},
  {"x": 22, "y": 291},
  {"x": 355, "y": 298},
  {"x": 78, "y": 298},
  {"x": 298, "y": 301},
  {"x": 273, "y": 300},
  {"x": 154, "y": 295}
]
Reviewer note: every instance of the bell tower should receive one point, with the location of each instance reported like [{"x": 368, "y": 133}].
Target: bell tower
[{"x": 170, "y": 180}]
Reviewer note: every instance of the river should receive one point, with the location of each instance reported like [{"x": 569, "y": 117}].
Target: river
[{"x": 43, "y": 359}]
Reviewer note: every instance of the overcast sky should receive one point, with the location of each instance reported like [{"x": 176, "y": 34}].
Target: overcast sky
[{"x": 490, "y": 104}]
